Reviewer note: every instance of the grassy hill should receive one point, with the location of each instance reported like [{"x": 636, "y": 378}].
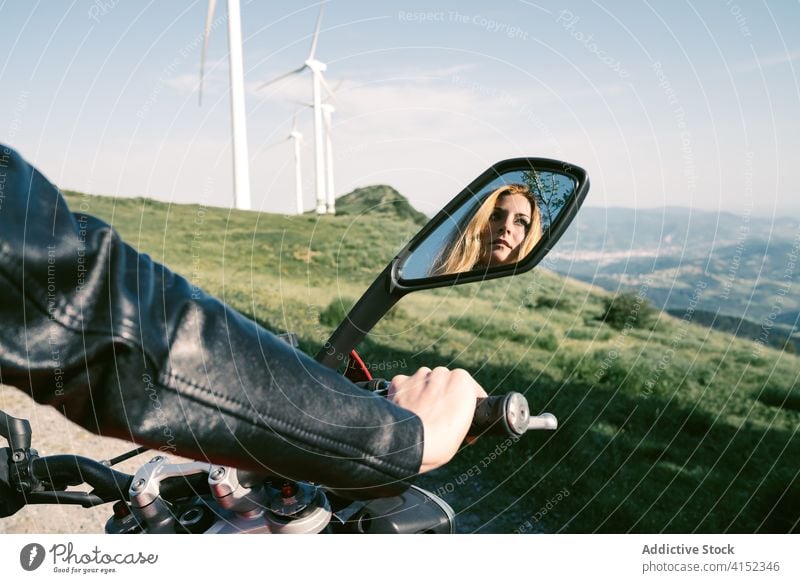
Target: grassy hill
[
  {"x": 380, "y": 200},
  {"x": 774, "y": 335},
  {"x": 670, "y": 427}
]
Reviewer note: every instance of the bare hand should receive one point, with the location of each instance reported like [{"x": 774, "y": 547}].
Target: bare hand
[{"x": 445, "y": 402}]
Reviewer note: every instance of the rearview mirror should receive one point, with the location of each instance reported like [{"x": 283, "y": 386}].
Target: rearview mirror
[
  {"x": 494, "y": 224},
  {"x": 481, "y": 234}
]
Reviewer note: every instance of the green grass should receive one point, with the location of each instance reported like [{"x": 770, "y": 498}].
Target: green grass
[{"x": 670, "y": 427}]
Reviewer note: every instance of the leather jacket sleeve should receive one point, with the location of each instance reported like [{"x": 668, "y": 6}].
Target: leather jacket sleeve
[{"x": 126, "y": 348}]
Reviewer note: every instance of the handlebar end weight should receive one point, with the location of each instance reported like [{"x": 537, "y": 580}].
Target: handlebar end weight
[{"x": 506, "y": 415}]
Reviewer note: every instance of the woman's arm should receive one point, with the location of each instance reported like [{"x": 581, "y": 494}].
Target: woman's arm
[{"x": 126, "y": 348}]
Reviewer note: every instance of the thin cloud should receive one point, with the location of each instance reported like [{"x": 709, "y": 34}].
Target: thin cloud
[{"x": 766, "y": 61}]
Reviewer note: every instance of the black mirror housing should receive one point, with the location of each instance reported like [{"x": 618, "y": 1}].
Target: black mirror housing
[{"x": 552, "y": 231}]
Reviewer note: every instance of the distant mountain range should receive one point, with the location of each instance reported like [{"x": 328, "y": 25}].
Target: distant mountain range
[{"x": 740, "y": 266}]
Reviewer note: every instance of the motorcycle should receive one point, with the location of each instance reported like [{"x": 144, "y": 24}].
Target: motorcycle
[{"x": 197, "y": 497}]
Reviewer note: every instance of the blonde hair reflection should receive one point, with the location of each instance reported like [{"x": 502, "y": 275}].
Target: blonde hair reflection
[{"x": 466, "y": 250}]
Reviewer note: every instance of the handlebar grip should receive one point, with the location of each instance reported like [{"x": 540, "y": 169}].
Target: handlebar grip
[{"x": 505, "y": 415}]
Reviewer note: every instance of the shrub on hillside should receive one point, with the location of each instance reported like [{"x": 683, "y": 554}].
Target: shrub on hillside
[
  {"x": 627, "y": 310},
  {"x": 562, "y": 302}
]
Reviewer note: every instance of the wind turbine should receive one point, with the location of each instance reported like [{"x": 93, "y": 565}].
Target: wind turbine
[
  {"x": 297, "y": 141},
  {"x": 317, "y": 82},
  {"x": 327, "y": 111},
  {"x": 241, "y": 169}
]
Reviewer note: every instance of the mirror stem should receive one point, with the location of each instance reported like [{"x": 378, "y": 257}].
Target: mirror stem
[{"x": 373, "y": 305}]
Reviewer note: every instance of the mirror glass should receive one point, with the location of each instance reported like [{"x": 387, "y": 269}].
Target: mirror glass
[{"x": 499, "y": 224}]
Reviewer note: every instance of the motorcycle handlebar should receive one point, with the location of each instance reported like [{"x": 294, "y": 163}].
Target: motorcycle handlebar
[
  {"x": 505, "y": 415},
  {"x": 71, "y": 470}
]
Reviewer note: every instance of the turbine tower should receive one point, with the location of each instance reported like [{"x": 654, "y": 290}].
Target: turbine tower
[
  {"x": 327, "y": 111},
  {"x": 317, "y": 82},
  {"x": 297, "y": 140},
  {"x": 241, "y": 168}
]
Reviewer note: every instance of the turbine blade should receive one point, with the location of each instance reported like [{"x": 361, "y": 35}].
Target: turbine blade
[
  {"x": 206, "y": 33},
  {"x": 316, "y": 32},
  {"x": 284, "y": 76},
  {"x": 278, "y": 143}
]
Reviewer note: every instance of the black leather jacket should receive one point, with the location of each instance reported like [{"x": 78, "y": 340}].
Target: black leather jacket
[{"x": 127, "y": 348}]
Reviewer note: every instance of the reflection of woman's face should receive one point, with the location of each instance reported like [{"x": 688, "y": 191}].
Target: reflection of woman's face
[{"x": 508, "y": 225}]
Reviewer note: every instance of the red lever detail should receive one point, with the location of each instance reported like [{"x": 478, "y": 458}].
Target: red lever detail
[{"x": 357, "y": 371}]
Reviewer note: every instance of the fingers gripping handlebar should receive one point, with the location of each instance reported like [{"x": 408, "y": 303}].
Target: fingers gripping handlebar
[{"x": 505, "y": 415}]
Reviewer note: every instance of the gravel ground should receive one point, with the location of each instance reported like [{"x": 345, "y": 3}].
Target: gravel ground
[{"x": 54, "y": 434}]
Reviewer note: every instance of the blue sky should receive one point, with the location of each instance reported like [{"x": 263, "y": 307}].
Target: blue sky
[{"x": 680, "y": 103}]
